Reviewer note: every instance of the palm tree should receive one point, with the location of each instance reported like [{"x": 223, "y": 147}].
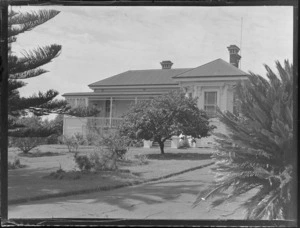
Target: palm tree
[{"x": 259, "y": 153}]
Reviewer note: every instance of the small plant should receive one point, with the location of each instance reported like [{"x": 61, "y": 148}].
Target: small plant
[
  {"x": 142, "y": 159},
  {"x": 58, "y": 174},
  {"x": 53, "y": 139},
  {"x": 83, "y": 162},
  {"x": 99, "y": 160},
  {"x": 80, "y": 139},
  {"x": 91, "y": 138},
  {"x": 115, "y": 143},
  {"x": 71, "y": 143},
  {"x": 26, "y": 144},
  {"x": 16, "y": 164}
]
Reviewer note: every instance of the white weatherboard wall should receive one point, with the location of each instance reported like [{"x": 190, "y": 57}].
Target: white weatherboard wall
[
  {"x": 209, "y": 141},
  {"x": 74, "y": 125}
]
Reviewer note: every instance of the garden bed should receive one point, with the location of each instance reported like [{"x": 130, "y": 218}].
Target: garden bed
[{"x": 41, "y": 176}]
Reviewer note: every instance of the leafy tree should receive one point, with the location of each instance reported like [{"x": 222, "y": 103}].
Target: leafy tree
[
  {"x": 27, "y": 66},
  {"x": 165, "y": 116},
  {"x": 258, "y": 154}
]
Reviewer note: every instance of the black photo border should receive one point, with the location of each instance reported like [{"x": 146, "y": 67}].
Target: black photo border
[{"x": 134, "y": 222}]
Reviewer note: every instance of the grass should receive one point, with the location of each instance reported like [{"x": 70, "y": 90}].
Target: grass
[{"x": 45, "y": 174}]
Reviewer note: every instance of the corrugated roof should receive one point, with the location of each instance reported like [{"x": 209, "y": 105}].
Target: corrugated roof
[
  {"x": 218, "y": 67},
  {"x": 142, "y": 77}
]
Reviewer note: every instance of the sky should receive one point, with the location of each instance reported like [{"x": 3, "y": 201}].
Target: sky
[{"x": 99, "y": 42}]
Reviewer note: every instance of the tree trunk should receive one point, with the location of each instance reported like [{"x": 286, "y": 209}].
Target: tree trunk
[{"x": 161, "y": 146}]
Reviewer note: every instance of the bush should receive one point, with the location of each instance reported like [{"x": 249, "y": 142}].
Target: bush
[
  {"x": 80, "y": 139},
  {"x": 142, "y": 159},
  {"x": 184, "y": 143},
  {"x": 99, "y": 160},
  {"x": 53, "y": 139},
  {"x": 83, "y": 162},
  {"x": 71, "y": 143},
  {"x": 16, "y": 164},
  {"x": 91, "y": 138},
  {"x": 25, "y": 144},
  {"x": 115, "y": 143}
]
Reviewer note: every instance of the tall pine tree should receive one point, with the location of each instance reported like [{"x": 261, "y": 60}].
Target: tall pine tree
[
  {"x": 258, "y": 155},
  {"x": 28, "y": 66}
]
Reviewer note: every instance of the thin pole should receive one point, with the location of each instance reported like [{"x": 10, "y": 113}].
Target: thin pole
[
  {"x": 241, "y": 42},
  {"x": 4, "y": 107},
  {"x": 110, "y": 113}
]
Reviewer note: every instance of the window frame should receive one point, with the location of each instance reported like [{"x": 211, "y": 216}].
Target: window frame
[{"x": 211, "y": 114}]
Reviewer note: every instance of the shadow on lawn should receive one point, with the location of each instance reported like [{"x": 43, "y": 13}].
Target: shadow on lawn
[{"x": 179, "y": 156}]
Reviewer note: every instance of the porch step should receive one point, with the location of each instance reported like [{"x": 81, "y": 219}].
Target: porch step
[{"x": 167, "y": 143}]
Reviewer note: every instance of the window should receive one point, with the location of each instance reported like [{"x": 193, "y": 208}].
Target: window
[{"x": 210, "y": 103}]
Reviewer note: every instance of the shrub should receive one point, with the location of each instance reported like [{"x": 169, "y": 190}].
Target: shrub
[
  {"x": 184, "y": 143},
  {"x": 83, "y": 162},
  {"x": 53, "y": 139},
  {"x": 71, "y": 143},
  {"x": 80, "y": 139},
  {"x": 91, "y": 138},
  {"x": 96, "y": 161},
  {"x": 115, "y": 143},
  {"x": 142, "y": 159},
  {"x": 16, "y": 164},
  {"x": 25, "y": 144},
  {"x": 58, "y": 174}
]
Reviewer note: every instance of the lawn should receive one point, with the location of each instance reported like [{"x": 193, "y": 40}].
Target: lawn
[{"x": 37, "y": 178}]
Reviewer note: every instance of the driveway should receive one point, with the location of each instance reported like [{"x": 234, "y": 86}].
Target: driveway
[{"x": 167, "y": 199}]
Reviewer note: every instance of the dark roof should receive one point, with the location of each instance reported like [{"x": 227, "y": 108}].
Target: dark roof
[
  {"x": 216, "y": 68},
  {"x": 142, "y": 77}
]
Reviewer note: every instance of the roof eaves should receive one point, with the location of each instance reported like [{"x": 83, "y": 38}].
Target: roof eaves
[
  {"x": 214, "y": 76},
  {"x": 166, "y": 84}
]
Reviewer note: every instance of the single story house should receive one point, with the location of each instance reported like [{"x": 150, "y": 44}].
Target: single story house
[{"x": 213, "y": 84}]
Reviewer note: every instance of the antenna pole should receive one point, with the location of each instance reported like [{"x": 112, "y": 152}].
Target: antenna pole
[{"x": 241, "y": 42}]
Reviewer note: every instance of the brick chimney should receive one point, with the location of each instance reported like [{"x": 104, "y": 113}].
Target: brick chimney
[
  {"x": 166, "y": 64},
  {"x": 234, "y": 57}
]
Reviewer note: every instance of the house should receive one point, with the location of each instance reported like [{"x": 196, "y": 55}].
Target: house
[{"x": 213, "y": 84}]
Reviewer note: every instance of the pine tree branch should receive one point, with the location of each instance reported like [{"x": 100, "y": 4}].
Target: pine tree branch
[
  {"x": 23, "y": 103},
  {"x": 33, "y": 59},
  {"x": 22, "y": 22},
  {"x": 28, "y": 74}
]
